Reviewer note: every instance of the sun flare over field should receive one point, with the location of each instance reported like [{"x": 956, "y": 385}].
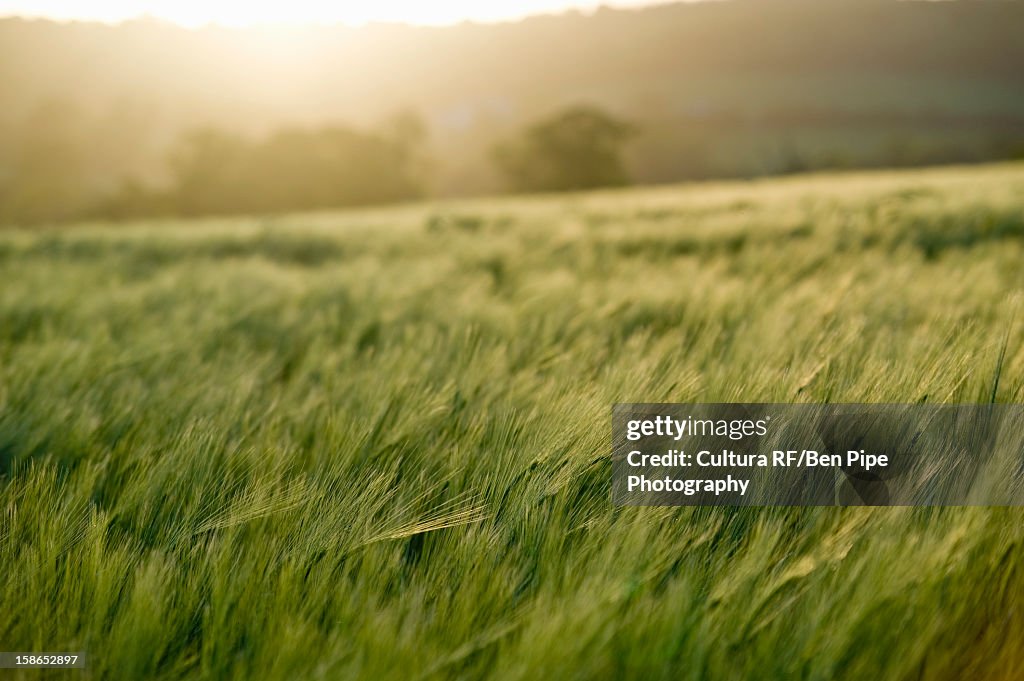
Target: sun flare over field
[{"x": 235, "y": 13}]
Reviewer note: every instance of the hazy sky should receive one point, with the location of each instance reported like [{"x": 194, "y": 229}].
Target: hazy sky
[{"x": 242, "y": 12}]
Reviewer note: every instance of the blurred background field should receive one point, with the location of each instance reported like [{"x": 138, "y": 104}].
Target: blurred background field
[
  {"x": 374, "y": 444},
  {"x": 149, "y": 118}
]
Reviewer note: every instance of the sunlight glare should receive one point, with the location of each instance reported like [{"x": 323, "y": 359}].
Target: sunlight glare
[{"x": 194, "y": 13}]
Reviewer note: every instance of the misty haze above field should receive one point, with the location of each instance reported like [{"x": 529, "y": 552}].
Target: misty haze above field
[
  {"x": 735, "y": 88},
  {"x": 200, "y": 13}
]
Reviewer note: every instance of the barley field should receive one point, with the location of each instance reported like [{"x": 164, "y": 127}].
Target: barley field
[{"x": 376, "y": 444}]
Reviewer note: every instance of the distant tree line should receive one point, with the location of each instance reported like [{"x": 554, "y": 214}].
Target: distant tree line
[
  {"x": 212, "y": 171},
  {"x": 58, "y": 165},
  {"x": 218, "y": 172}
]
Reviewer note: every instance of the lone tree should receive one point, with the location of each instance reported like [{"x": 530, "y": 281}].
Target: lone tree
[{"x": 579, "y": 148}]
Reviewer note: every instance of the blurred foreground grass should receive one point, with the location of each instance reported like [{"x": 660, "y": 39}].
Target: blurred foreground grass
[{"x": 375, "y": 444}]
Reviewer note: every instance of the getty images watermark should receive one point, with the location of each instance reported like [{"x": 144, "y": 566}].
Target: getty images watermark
[{"x": 817, "y": 455}]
